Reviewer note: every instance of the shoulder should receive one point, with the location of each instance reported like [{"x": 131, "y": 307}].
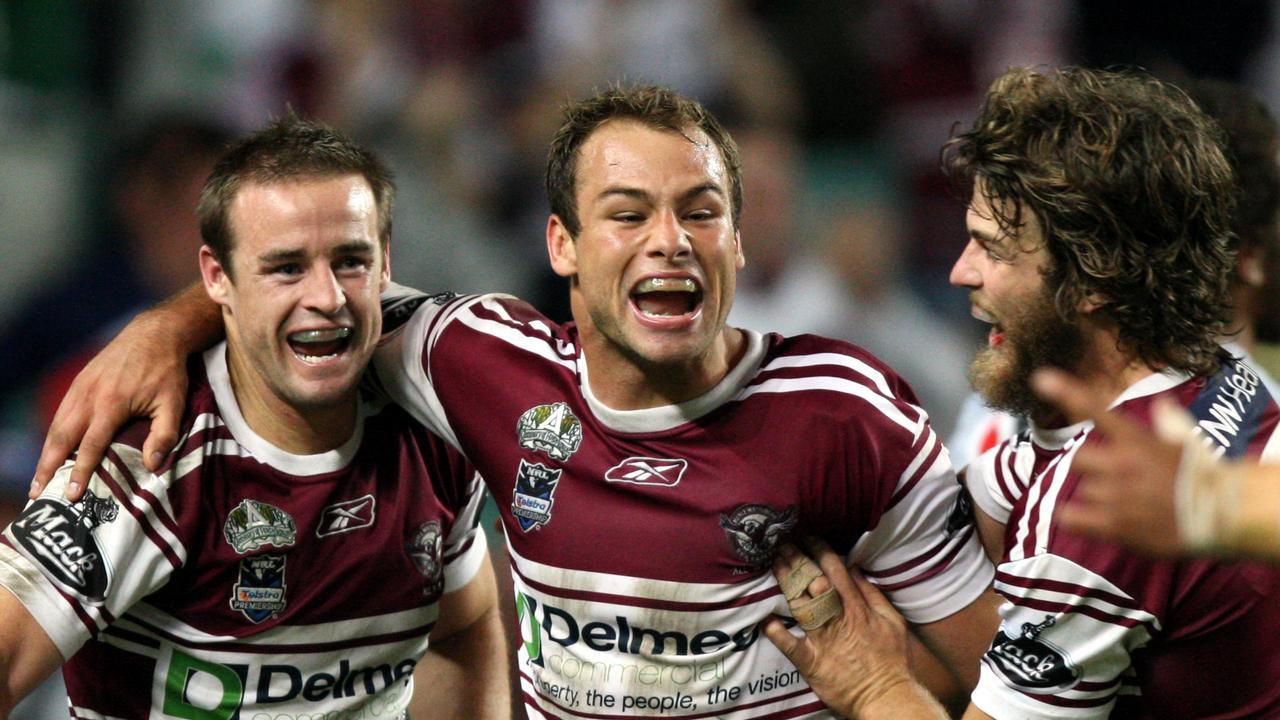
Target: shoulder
[{"x": 837, "y": 379}]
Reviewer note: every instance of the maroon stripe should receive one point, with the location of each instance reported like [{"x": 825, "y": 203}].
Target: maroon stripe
[
  {"x": 937, "y": 567},
  {"x": 521, "y": 326},
  {"x": 593, "y": 596},
  {"x": 920, "y": 472},
  {"x": 1005, "y": 464},
  {"x": 365, "y": 641},
  {"x": 779, "y": 715},
  {"x": 913, "y": 562},
  {"x": 1086, "y": 610},
  {"x": 133, "y": 637},
  {"x": 1066, "y": 587},
  {"x": 1032, "y": 513},
  {"x": 1084, "y": 686},
  {"x": 161, "y": 514},
  {"x": 137, "y": 514},
  {"x": 455, "y": 554}
]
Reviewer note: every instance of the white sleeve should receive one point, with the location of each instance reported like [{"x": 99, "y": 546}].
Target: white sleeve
[
  {"x": 466, "y": 545},
  {"x": 1068, "y": 661},
  {"x": 924, "y": 552},
  {"x": 998, "y": 478},
  {"x": 78, "y": 566}
]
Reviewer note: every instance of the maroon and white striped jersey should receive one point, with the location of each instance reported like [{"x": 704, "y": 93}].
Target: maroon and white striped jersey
[
  {"x": 641, "y": 540},
  {"x": 1092, "y": 630},
  {"x": 242, "y": 581}
]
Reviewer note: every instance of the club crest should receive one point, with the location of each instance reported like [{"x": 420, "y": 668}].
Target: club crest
[
  {"x": 553, "y": 429},
  {"x": 535, "y": 486},
  {"x": 755, "y": 530},
  {"x": 59, "y": 537},
  {"x": 254, "y": 524},
  {"x": 259, "y": 593},
  {"x": 1028, "y": 662},
  {"x": 424, "y": 548}
]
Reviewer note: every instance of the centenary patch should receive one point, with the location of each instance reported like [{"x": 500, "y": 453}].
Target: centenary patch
[
  {"x": 259, "y": 593},
  {"x": 755, "y": 530},
  {"x": 665, "y": 472},
  {"x": 59, "y": 537},
  {"x": 424, "y": 549},
  {"x": 535, "y": 486},
  {"x": 346, "y": 516},
  {"x": 253, "y": 524},
  {"x": 1028, "y": 662},
  {"x": 553, "y": 429}
]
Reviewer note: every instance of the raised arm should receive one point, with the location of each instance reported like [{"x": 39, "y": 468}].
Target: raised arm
[
  {"x": 465, "y": 671},
  {"x": 27, "y": 655},
  {"x": 141, "y": 373}
]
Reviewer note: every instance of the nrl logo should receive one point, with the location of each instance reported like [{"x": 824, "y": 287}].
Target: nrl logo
[
  {"x": 553, "y": 429},
  {"x": 532, "y": 499},
  {"x": 253, "y": 524},
  {"x": 755, "y": 530},
  {"x": 259, "y": 594}
]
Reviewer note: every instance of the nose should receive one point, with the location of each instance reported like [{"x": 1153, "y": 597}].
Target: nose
[
  {"x": 668, "y": 239},
  {"x": 965, "y": 273},
  {"x": 323, "y": 292}
]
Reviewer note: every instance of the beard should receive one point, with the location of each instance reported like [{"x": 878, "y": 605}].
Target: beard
[{"x": 1035, "y": 336}]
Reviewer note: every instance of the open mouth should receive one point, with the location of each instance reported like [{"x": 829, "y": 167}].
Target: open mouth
[
  {"x": 317, "y": 346},
  {"x": 660, "y": 298},
  {"x": 995, "y": 336}
]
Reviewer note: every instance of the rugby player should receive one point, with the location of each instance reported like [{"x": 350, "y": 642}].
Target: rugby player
[
  {"x": 1100, "y": 243},
  {"x": 299, "y": 549}
]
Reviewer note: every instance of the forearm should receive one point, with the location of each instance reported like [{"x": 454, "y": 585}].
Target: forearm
[
  {"x": 189, "y": 320},
  {"x": 465, "y": 675}
]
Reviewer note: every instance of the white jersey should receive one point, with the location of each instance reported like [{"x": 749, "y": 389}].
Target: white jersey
[
  {"x": 242, "y": 581},
  {"x": 641, "y": 541}
]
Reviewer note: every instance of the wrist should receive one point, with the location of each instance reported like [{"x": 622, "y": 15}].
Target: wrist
[{"x": 902, "y": 698}]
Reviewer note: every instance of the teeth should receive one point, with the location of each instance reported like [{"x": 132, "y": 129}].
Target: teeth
[
  {"x": 315, "y": 359},
  {"x": 316, "y": 336},
  {"x": 983, "y": 315},
  {"x": 667, "y": 285}
]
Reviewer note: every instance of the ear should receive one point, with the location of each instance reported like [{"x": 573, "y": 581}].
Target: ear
[
  {"x": 386, "y": 268},
  {"x": 1251, "y": 266},
  {"x": 216, "y": 281},
  {"x": 561, "y": 248},
  {"x": 740, "y": 260},
  {"x": 1092, "y": 303}
]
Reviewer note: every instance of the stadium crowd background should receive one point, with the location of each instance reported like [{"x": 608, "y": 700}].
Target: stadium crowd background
[{"x": 112, "y": 112}]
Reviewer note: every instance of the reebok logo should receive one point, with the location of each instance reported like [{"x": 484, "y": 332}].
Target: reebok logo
[
  {"x": 346, "y": 516},
  {"x": 664, "y": 472}
]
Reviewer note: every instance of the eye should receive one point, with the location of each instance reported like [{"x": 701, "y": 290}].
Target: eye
[
  {"x": 352, "y": 262},
  {"x": 628, "y": 217},
  {"x": 287, "y": 269},
  {"x": 702, "y": 215}
]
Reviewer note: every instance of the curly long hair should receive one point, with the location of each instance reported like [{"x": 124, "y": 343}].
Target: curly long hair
[{"x": 1135, "y": 197}]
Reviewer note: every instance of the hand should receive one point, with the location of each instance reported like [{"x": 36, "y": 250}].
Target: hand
[
  {"x": 858, "y": 661},
  {"x": 141, "y": 373},
  {"x": 1126, "y": 494}
]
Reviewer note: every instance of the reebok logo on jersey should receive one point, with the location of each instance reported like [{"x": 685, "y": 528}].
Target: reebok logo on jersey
[
  {"x": 664, "y": 472},
  {"x": 346, "y": 516}
]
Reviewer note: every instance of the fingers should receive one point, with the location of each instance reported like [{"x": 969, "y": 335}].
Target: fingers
[
  {"x": 792, "y": 647},
  {"x": 58, "y": 446},
  {"x": 164, "y": 430}
]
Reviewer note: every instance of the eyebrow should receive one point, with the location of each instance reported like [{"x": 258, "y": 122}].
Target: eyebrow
[
  {"x": 638, "y": 194},
  {"x": 295, "y": 254}
]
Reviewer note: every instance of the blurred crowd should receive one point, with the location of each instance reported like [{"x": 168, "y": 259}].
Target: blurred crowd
[{"x": 113, "y": 112}]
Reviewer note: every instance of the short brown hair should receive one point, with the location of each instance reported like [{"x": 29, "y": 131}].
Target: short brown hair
[
  {"x": 1135, "y": 196},
  {"x": 287, "y": 149},
  {"x": 655, "y": 106}
]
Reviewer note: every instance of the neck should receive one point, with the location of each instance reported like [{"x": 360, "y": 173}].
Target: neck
[
  {"x": 1104, "y": 367},
  {"x": 624, "y": 382},
  {"x": 294, "y": 430}
]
